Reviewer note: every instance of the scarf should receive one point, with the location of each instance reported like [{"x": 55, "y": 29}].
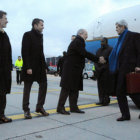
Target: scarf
[{"x": 113, "y": 58}]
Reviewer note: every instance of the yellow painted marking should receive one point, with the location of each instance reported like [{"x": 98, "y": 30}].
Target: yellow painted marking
[
  {"x": 84, "y": 93},
  {"x": 52, "y": 90},
  {"x": 53, "y": 111},
  {"x": 35, "y": 91},
  {"x": 113, "y": 101},
  {"x": 21, "y": 116}
]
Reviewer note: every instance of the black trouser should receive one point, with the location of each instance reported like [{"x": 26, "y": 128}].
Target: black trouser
[
  {"x": 19, "y": 77},
  {"x": 123, "y": 103},
  {"x": 136, "y": 99},
  {"x": 103, "y": 97},
  {"x": 94, "y": 75},
  {"x": 73, "y": 98},
  {"x": 2, "y": 105},
  {"x": 41, "y": 95}
]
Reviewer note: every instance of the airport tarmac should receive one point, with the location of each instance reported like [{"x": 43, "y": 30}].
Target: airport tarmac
[{"x": 98, "y": 123}]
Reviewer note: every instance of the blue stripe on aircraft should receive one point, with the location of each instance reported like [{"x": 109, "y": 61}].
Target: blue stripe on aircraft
[{"x": 93, "y": 46}]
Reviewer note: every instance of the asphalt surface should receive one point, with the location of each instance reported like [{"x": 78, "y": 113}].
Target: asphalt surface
[{"x": 98, "y": 123}]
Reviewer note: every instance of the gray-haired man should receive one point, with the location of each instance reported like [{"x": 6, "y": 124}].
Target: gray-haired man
[
  {"x": 71, "y": 79},
  {"x": 124, "y": 58}
]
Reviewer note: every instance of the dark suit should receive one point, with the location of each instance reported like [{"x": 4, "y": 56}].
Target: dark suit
[
  {"x": 71, "y": 79},
  {"x": 60, "y": 65},
  {"x": 33, "y": 58},
  {"x": 129, "y": 58},
  {"x": 102, "y": 73},
  {"x": 5, "y": 70}
]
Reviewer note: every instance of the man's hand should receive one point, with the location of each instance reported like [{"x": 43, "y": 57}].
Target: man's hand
[
  {"x": 102, "y": 60},
  {"x": 137, "y": 69},
  {"x": 29, "y": 71}
]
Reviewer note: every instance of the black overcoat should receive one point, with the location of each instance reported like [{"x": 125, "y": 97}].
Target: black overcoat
[
  {"x": 74, "y": 63},
  {"x": 5, "y": 64},
  {"x": 33, "y": 57},
  {"x": 129, "y": 58},
  {"x": 102, "y": 70},
  {"x": 60, "y": 65}
]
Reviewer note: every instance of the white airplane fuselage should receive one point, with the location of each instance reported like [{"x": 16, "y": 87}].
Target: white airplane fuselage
[{"x": 104, "y": 26}]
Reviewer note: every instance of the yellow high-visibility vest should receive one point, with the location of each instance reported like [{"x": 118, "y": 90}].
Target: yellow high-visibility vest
[
  {"x": 19, "y": 64},
  {"x": 93, "y": 68}
]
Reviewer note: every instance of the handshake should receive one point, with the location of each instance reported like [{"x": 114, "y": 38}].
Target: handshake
[{"x": 102, "y": 60}]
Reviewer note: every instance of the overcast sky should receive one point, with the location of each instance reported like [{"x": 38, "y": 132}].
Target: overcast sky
[{"x": 62, "y": 18}]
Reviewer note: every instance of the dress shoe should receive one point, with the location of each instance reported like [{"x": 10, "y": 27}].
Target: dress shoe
[
  {"x": 42, "y": 111},
  {"x": 99, "y": 103},
  {"x": 27, "y": 115},
  {"x": 105, "y": 104},
  {"x": 1, "y": 121},
  {"x": 123, "y": 119},
  {"x": 4, "y": 119},
  {"x": 63, "y": 111},
  {"x": 139, "y": 116},
  {"x": 77, "y": 111}
]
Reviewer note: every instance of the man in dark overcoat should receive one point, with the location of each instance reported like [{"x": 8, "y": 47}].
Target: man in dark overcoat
[
  {"x": 71, "y": 79},
  {"x": 60, "y": 63},
  {"x": 62, "y": 59},
  {"x": 102, "y": 73},
  {"x": 34, "y": 67},
  {"x": 124, "y": 58},
  {"x": 5, "y": 67},
  {"x": 73, "y": 37}
]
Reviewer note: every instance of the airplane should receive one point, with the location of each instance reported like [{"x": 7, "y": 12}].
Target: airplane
[{"x": 104, "y": 26}]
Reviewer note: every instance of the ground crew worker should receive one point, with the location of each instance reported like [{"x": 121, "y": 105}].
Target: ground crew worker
[
  {"x": 94, "y": 73},
  {"x": 18, "y": 65}
]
